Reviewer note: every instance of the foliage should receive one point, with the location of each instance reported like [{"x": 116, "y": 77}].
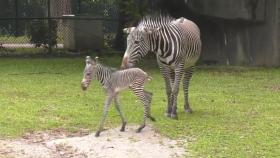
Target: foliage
[
  {"x": 133, "y": 8},
  {"x": 39, "y": 31},
  {"x": 32, "y": 8},
  {"x": 236, "y": 109},
  {"x": 42, "y": 33},
  {"x": 6, "y": 11},
  {"x": 6, "y": 8}
]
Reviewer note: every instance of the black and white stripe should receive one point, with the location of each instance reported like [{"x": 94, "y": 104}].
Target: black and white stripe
[
  {"x": 177, "y": 45},
  {"x": 114, "y": 81}
]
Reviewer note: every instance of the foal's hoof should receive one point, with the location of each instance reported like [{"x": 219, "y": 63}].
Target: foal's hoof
[
  {"x": 97, "y": 134},
  {"x": 123, "y": 127},
  {"x": 174, "y": 116},
  {"x": 140, "y": 129}
]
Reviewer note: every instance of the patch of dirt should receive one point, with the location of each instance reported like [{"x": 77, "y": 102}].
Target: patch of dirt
[{"x": 111, "y": 144}]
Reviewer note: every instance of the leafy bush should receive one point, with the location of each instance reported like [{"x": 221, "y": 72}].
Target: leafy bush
[{"x": 42, "y": 33}]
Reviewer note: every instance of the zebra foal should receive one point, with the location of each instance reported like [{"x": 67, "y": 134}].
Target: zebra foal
[{"x": 114, "y": 81}]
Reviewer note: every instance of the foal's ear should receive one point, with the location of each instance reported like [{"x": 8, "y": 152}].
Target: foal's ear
[{"x": 88, "y": 60}]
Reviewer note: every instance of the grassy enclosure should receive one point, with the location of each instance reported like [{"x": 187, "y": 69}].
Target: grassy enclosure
[{"x": 236, "y": 109}]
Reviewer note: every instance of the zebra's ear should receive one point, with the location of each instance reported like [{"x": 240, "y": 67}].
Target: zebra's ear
[
  {"x": 128, "y": 30},
  {"x": 96, "y": 59}
]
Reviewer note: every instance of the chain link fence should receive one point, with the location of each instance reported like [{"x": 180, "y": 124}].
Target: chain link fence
[{"x": 57, "y": 25}]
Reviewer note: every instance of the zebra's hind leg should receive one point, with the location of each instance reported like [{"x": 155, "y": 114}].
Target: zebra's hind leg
[
  {"x": 148, "y": 96},
  {"x": 117, "y": 105},
  {"x": 186, "y": 82},
  {"x": 105, "y": 113}
]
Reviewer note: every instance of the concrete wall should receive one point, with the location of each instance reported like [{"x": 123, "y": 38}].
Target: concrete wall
[
  {"x": 238, "y": 32},
  {"x": 251, "y": 10}
]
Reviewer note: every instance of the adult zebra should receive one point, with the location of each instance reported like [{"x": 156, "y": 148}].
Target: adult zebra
[{"x": 177, "y": 45}]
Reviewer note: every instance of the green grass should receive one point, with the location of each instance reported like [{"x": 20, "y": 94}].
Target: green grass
[
  {"x": 23, "y": 39},
  {"x": 13, "y": 39},
  {"x": 236, "y": 109}
]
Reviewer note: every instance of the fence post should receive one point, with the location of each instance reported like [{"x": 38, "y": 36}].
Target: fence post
[{"x": 49, "y": 28}]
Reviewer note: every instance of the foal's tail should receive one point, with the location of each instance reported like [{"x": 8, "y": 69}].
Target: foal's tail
[{"x": 147, "y": 77}]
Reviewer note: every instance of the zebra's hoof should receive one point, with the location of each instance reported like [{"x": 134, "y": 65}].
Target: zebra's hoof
[
  {"x": 167, "y": 114},
  {"x": 174, "y": 116},
  {"x": 188, "y": 111},
  {"x": 97, "y": 134}
]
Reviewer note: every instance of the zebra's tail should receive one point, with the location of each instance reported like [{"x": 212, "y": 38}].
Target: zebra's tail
[{"x": 149, "y": 78}]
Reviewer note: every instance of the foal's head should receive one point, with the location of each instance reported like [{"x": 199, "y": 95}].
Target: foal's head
[{"x": 88, "y": 72}]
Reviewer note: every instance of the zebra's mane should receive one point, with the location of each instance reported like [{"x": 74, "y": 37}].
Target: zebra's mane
[{"x": 155, "y": 21}]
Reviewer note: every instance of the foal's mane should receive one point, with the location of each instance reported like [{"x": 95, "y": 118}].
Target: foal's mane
[{"x": 111, "y": 69}]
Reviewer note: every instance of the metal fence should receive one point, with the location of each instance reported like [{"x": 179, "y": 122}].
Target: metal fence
[{"x": 52, "y": 25}]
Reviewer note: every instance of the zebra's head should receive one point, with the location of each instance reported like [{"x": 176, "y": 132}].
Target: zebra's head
[
  {"x": 88, "y": 72},
  {"x": 138, "y": 45}
]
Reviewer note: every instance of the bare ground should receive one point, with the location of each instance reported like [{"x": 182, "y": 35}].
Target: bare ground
[{"x": 111, "y": 144}]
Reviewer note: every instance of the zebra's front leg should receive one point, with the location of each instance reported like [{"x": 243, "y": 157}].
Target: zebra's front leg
[
  {"x": 168, "y": 76},
  {"x": 105, "y": 113},
  {"x": 186, "y": 83},
  {"x": 117, "y": 105},
  {"x": 175, "y": 89}
]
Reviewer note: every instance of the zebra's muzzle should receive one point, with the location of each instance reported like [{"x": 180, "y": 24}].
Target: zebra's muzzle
[{"x": 125, "y": 63}]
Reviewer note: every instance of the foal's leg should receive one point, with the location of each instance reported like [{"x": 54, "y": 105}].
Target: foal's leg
[
  {"x": 138, "y": 89},
  {"x": 105, "y": 113},
  {"x": 117, "y": 105},
  {"x": 148, "y": 96}
]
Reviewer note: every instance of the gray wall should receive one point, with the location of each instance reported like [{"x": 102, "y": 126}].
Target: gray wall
[{"x": 239, "y": 32}]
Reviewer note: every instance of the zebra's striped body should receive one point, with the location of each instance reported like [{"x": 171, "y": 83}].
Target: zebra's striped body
[
  {"x": 114, "y": 81},
  {"x": 177, "y": 45}
]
